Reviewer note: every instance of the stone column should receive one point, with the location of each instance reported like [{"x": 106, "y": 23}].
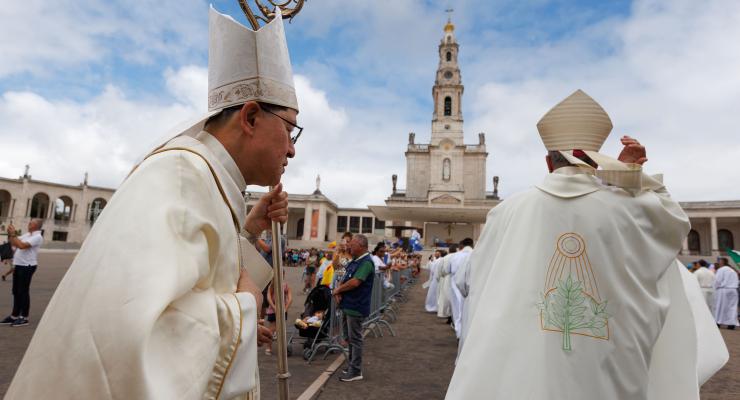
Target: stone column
[
  {"x": 332, "y": 226},
  {"x": 685, "y": 246},
  {"x": 322, "y": 223},
  {"x": 307, "y": 222},
  {"x": 713, "y": 233}
]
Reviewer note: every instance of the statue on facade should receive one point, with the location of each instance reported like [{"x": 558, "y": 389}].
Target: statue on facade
[
  {"x": 412, "y": 137},
  {"x": 394, "y": 178},
  {"x": 318, "y": 185},
  {"x": 495, "y": 187}
]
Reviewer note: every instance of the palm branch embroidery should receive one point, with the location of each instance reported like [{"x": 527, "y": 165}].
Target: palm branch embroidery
[{"x": 571, "y": 303}]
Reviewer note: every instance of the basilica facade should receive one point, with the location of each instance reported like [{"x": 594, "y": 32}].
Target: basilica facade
[{"x": 445, "y": 198}]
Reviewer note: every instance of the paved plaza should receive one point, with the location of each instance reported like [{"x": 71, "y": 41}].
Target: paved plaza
[{"x": 418, "y": 362}]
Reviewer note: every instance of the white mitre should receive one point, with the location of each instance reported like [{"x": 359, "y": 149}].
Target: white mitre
[
  {"x": 243, "y": 65},
  {"x": 580, "y": 123}
]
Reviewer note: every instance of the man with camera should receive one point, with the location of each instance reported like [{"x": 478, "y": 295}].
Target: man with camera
[{"x": 25, "y": 261}]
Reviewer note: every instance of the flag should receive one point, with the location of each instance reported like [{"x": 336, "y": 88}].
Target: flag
[{"x": 735, "y": 256}]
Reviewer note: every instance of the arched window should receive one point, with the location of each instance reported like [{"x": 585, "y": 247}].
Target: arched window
[
  {"x": 694, "y": 242},
  {"x": 63, "y": 209},
  {"x": 448, "y": 56},
  {"x": 725, "y": 239},
  {"x": 96, "y": 207},
  {"x": 446, "y": 169},
  {"x": 39, "y": 206},
  {"x": 448, "y": 106}
]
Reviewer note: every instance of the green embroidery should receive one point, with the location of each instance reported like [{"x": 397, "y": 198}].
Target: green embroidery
[
  {"x": 569, "y": 310},
  {"x": 570, "y": 301}
]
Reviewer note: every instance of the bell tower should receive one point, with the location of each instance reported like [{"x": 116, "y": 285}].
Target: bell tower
[{"x": 447, "y": 121}]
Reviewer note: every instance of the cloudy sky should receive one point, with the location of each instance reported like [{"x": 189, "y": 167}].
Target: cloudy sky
[{"x": 88, "y": 85}]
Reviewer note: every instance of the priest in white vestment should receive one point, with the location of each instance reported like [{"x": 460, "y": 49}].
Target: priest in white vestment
[
  {"x": 162, "y": 299},
  {"x": 456, "y": 298},
  {"x": 574, "y": 283},
  {"x": 725, "y": 293},
  {"x": 705, "y": 277},
  {"x": 430, "y": 303},
  {"x": 444, "y": 305}
]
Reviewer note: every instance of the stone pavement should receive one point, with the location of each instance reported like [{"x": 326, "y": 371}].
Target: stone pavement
[{"x": 418, "y": 363}]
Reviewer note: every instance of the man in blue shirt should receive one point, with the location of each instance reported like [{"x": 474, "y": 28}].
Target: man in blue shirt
[{"x": 353, "y": 297}]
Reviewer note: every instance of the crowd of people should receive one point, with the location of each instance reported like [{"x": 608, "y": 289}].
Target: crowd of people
[{"x": 349, "y": 270}]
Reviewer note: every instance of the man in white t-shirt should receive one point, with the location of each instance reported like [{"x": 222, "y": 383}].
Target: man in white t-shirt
[
  {"x": 25, "y": 261},
  {"x": 378, "y": 255}
]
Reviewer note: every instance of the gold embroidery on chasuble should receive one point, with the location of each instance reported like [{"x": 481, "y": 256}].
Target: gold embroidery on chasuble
[{"x": 571, "y": 304}]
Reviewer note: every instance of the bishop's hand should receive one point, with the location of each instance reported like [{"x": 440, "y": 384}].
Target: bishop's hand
[
  {"x": 271, "y": 207},
  {"x": 633, "y": 152}
]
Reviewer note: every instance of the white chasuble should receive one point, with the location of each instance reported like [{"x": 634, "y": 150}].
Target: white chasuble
[
  {"x": 456, "y": 298},
  {"x": 568, "y": 289},
  {"x": 444, "y": 305},
  {"x": 725, "y": 296},
  {"x": 148, "y": 308},
  {"x": 430, "y": 305}
]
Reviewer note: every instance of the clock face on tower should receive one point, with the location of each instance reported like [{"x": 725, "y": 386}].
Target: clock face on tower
[{"x": 448, "y": 75}]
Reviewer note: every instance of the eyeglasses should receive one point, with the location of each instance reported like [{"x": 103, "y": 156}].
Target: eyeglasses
[{"x": 290, "y": 134}]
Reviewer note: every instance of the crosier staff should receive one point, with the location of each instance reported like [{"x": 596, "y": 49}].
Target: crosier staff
[{"x": 288, "y": 9}]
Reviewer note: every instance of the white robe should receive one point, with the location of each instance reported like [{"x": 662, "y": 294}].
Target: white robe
[
  {"x": 570, "y": 288},
  {"x": 725, "y": 294},
  {"x": 431, "y": 300},
  {"x": 462, "y": 282},
  {"x": 148, "y": 308},
  {"x": 456, "y": 298},
  {"x": 705, "y": 277},
  {"x": 444, "y": 307}
]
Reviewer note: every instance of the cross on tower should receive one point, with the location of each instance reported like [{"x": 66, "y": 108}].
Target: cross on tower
[{"x": 449, "y": 13}]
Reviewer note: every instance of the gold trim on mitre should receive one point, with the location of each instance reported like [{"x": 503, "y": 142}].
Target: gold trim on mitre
[
  {"x": 578, "y": 122},
  {"x": 246, "y": 65}
]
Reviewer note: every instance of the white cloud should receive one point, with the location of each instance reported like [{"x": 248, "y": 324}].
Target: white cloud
[
  {"x": 671, "y": 81},
  {"x": 42, "y": 37},
  {"x": 62, "y": 139}
]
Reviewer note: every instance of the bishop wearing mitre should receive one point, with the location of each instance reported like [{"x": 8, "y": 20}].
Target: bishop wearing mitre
[
  {"x": 575, "y": 292},
  {"x": 162, "y": 299}
]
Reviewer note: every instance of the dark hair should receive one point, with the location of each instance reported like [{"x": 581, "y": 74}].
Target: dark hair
[
  {"x": 453, "y": 248},
  {"x": 559, "y": 161},
  {"x": 467, "y": 242},
  {"x": 221, "y": 118},
  {"x": 703, "y": 263},
  {"x": 378, "y": 246}
]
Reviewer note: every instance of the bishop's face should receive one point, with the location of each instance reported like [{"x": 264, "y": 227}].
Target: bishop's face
[{"x": 273, "y": 146}]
